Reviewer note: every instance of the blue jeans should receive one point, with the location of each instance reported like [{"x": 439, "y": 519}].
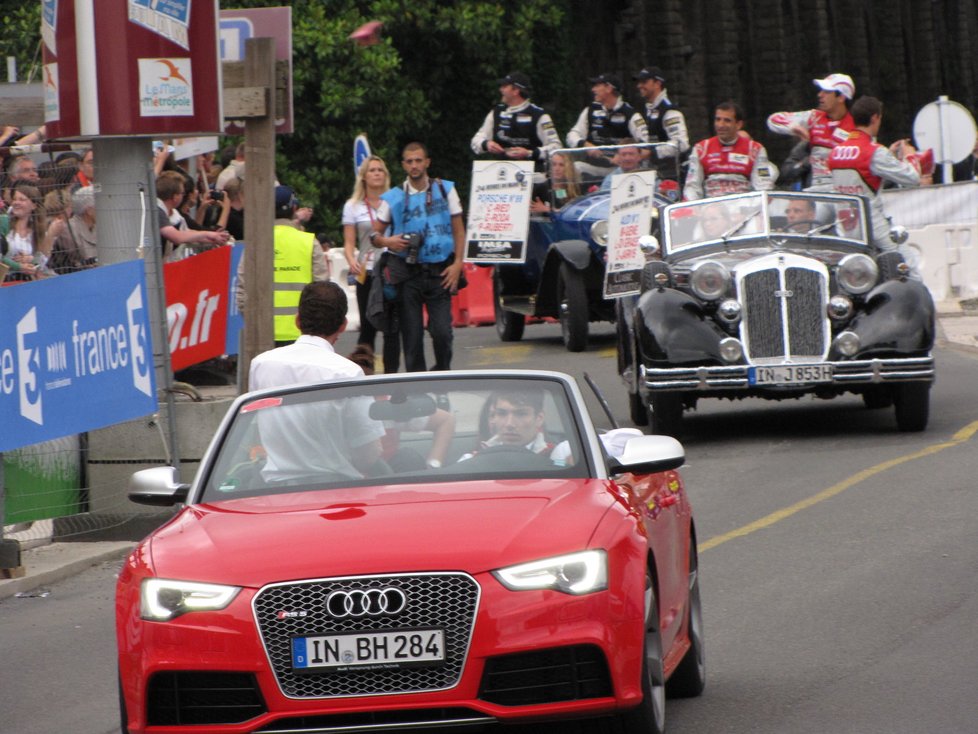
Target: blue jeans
[{"x": 425, "y": 289}]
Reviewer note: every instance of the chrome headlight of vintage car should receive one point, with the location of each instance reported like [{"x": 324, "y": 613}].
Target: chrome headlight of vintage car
[
  {"x": 840, "y": 308},
  {"x": 857, "y": 273},
  {"x": 729, "y": 311},
  {"x": 709, "y": 280},
  {"x": 599, "y": 232},
  {"x": 731, "y": 350},
  {"x": 847, "y": 343}
]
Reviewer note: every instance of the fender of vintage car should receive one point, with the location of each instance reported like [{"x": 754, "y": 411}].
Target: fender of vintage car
[
  {"x": 575, "y": 252},
  {"x": 898, "y": 317},
  {"x": 672, "y": 327}
]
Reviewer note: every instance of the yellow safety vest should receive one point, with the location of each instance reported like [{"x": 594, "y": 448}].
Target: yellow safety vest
[{"x": 293, "y": 269}]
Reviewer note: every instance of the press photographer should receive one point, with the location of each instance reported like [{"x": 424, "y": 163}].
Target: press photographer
[{"x": 427, "y": 237}]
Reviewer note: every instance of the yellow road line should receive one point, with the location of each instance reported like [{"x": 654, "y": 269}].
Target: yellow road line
[
  {"x": 957, "y": 439},
  {"x": 498, "y": 356}
]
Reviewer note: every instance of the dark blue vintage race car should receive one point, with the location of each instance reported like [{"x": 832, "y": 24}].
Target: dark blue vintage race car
[
  {"x": 774, "y": 295},
  {"x": 563, "y": 276}
]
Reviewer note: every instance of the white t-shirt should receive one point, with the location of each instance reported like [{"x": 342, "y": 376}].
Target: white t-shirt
[
  {"x": 18, "y": 245},
  {"x": 310, "y": 359},
  {"x": 360, "y": 215},
  {"x": 311, "y": 440}
]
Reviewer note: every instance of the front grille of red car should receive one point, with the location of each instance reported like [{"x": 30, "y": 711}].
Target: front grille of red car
[
  {"x": 762, "y": 295},
  {"x": 546, "y": 676},
  {"x": 445, "y": 601},
  {"x": 195, "y": 698}
]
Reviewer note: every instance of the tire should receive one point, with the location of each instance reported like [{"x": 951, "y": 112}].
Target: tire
[
  {"x": 650, "y": 271},
  {"x": 123, "y": 713},
  {"x": 877, "y": 397},
  {"x": 638, "y": 411},
  {"x": 889, "y": 263},
  {"x": 689, "y": 678},
  {"x": 649, "y": 717},
  {"x": 666, "y": 413},
  {"x": 509, "y": 324},
  {"x": 912, "y": 403},
  {"x": 572, "y": 301}
]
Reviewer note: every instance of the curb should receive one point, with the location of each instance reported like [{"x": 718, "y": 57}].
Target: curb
[{"x": 51, "y": 563}]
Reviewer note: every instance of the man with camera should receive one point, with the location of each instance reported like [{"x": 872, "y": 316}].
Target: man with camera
[{"x": 427, "y": 239}]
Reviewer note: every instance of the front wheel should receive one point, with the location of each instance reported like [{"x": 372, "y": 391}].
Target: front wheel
[
  {"x": 912, "y": 403},
  {"x": 638, "y": 411},
  {"x": 666, "y": 413},
  {"x": 572, "y": 299},
  {"x": 509, "y": 324},
  {"x": 689, "y": 678},
  {"x": 649, "y": 717}
]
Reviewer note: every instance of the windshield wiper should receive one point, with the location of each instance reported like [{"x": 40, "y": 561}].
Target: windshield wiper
[
  {"x": 740, "y": 225},
  {"x": 819, "y": 229}
]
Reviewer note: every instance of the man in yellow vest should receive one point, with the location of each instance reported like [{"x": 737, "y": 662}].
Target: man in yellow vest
[{"x": 299, "y": 259}]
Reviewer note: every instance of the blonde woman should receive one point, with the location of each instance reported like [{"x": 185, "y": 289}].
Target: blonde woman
[
  {"x": 360, "y": 212},
  {"x": 564, "y": 184},
  {"x": 25, "y": 247}
]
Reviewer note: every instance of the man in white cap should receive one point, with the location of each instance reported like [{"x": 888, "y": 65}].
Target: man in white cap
[
  {"x": 823, "y": 128},
  {"x": 516, "y": 128}
]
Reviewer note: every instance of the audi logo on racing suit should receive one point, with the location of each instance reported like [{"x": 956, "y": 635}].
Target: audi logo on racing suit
[
  {"x": 845, "y": 152},
  {"x": 365, "y": 602}
]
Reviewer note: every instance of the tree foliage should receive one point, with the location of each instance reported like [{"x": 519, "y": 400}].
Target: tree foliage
[{"x": 431, "y": 78}]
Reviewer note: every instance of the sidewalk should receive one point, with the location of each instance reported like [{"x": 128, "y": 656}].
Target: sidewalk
[
  {"x": 957, "y": 324},
  {"x": 47, "y": 564},
  {"x": 957, "y": 327}
]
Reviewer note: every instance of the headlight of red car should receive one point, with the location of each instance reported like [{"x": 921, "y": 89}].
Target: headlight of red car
[
  {"x": 575, "y": 573},
  {"x": 161, "y": 600}
]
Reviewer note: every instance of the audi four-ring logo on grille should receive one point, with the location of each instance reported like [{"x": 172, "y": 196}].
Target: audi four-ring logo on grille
[{"x": 365, "y": 602}]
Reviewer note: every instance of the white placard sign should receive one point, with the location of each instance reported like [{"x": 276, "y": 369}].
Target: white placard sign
[
  {"x": 629, "y": 217},
  {"x": 499, "y": 211}
]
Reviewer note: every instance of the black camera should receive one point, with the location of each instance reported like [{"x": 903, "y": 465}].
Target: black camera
[
  {"x": 413, "y": 242},
  {"x": 217, "y": 196}
]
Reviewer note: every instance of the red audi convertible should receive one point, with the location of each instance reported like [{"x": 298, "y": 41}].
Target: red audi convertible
[{"x": 413, "y": 551}]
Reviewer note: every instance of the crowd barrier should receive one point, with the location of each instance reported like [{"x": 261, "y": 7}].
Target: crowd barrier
[
  {"x": 472, "y": 306},
  {"x": 948, "y": 259}
]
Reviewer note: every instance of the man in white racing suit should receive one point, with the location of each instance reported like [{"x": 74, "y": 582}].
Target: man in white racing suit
[
  {"x": 730, "y": 162},
  {"x": 516, "y": 128},
  {"x": 860, "y": 165},
  {"x": 823, "y": 128},
  {"x": 664, "y": 121},
  {"x": 608, "y": 119}
]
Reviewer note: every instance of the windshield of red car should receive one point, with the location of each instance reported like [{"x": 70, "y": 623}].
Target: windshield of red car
[{"x": 399, "y": 431}]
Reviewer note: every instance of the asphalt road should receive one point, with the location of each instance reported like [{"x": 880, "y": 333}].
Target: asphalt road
[{"x": 838, "y": 560}]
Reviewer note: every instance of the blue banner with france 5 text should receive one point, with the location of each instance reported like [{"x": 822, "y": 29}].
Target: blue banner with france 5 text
[{"x": 75, "y": 354}]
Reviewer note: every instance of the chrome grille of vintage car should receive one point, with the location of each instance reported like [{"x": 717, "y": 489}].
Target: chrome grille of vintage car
[
  {"x": 795, "y": 330},
  {"x": 443, "y": 601}
]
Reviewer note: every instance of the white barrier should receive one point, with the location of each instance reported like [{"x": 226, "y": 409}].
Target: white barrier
[
  {"x": 943, "y": 224},
  {"x": 339, "y": 270},
  {"x": 948, "y": 259}
]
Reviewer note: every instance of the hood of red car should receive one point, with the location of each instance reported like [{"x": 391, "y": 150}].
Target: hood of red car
[{"x": 470, "y": 526}]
